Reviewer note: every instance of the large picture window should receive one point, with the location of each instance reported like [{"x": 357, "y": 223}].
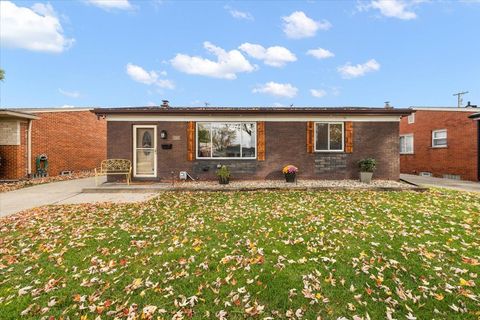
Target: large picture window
[
  {"x": 217, "y": 140},
  {"x": 329, "y": 136}
]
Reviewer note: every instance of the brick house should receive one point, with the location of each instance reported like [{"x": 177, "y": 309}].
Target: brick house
[
  {"x": 441, "y": 142},
  {"x": 255, "y": 143},
  {"x": 72, "y": 139}
]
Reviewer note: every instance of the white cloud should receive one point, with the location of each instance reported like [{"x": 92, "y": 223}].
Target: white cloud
[
  {"x": 227, "y": 66},
  {"x": 318, "y": 93},
  {"x": 70, "y": 94},
  {"x": 320, "y": 53},
  {"x": 111, "y": 4},
  {"x": 349, "y": 71},
  {"x": 298, "y": 25},
  {"x": 37, "y": 28},
  {"x": 237, "y": 14},
  {"x": 273, "y": 56},
  {"x": 285, "y": 90},
  {"x": 399, "y": 9},
  {"x": 139, "y": 74}
]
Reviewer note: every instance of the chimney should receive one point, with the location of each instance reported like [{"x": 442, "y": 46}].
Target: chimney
[
  {"x": 387, "y": 105},
  {"x": 165, "y": 104}
]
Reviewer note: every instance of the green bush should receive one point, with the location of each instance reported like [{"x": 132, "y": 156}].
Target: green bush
[{"x": 367, "y": 165}]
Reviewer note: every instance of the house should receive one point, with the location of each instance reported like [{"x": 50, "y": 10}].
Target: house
[
  {"x": 440, "y": 142},
  {"x": 63, "y": 139},
  {"x": 255, "y": 143}
]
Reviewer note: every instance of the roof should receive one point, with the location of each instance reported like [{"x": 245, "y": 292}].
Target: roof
[
  {"x": 53, "y": 109},
  {"x": 453, "y": 109},
  {"x": 252, "y": 110},
  {"x": 14, "y": 114}
]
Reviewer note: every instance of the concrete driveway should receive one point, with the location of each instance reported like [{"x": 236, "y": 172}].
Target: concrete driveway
[
  {"x": 63, "y": 192},
  {"x": 441, "y": 183}
]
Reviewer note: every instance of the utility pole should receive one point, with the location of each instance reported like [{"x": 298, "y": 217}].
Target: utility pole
[{"x": 459, "y": 98}]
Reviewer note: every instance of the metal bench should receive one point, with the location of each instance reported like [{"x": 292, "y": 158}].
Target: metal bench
[{"x": 114, "y": 167}]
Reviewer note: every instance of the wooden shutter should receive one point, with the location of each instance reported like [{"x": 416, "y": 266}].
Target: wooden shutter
[
  {"x": 261, "y": 141},
  {"x": 348, "y": 137},
  {"x": 191, "y": 141},
  {"x": 310, "y": 134}
]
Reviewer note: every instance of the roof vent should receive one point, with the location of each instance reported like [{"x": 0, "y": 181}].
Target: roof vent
[
  {"x": 470, "y": 105},
  {"x": 387, "y": 105},
  {"x": 165, "y": 104}
]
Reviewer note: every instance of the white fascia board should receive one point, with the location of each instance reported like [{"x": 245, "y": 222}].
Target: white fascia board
[{"x": 266, "y": 118}]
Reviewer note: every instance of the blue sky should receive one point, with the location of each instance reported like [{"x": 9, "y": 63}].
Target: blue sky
[{"x": 239, "y": 53}]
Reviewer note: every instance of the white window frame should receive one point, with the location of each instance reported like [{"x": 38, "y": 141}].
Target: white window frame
[
  {"x": 329, "y": 123},
  {"x": 211, "y": 141},
  {"x": 433, "y": 138},
  {"x": 135, "y": 127},
  {"x": 413, "y": 143},
  {"x": 411, "y": 118}
]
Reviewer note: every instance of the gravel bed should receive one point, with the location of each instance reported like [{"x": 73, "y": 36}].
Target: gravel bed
[{"x": 301, "y": 184}]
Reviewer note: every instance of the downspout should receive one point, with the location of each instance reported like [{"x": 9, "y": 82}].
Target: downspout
[{"x": 29, "y": 148}]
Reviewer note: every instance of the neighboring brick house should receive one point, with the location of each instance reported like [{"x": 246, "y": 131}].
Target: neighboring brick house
[
  {"x": 73, "y": 139},
  {"x": 441, "y": 142},
  {"x": 255, "y": 143}
]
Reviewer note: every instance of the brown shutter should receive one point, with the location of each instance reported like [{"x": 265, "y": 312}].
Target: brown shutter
[
  {"x": 310, "y": 134},
  {"x": 348, "y": 137},
  {"x": 191, "y": 141},
  {"x": 261, "y": 141}
]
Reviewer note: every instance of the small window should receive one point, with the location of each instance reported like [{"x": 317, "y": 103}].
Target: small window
[
  {"x": 329, "y": 136},
  {"x": 411, "y": 118},
  {"x": 406, "y": 144},
  {"x": 439, "y": 138}
]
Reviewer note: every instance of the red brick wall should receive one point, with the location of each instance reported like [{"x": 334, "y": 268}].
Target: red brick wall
[
  {"x": 72, "y": 140},
  {"x": 285, "y": 143},
  {"x": 460, "y": 157},
  {"x": 14, "y": 157}
]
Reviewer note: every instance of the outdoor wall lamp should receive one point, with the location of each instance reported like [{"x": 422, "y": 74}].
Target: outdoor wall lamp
[{"x": 163, "y": 134}]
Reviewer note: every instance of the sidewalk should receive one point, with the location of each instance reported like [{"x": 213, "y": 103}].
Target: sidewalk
[
  {"x": 442, "y": 183},
  {"x": 63, "y": 192}
]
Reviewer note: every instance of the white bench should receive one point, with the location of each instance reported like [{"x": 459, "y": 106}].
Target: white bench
[{"x": 114, "y": 167}]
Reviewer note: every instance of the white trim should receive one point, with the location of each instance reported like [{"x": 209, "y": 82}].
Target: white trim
[
  {"x": 250, "y": 118},
  {"x": 211, "y": 142},
  {"x": 411, "y": 118},
  {"x": 433, "y": 139},
  {"x": 451, "y": 109},
  {"x": 413, "y": 143},
  {"x": 315, "y": 136},
  {"x": 135, "y": 127}
]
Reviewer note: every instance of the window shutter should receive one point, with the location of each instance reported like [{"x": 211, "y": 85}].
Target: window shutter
[
  {"x": 348, "y": 137},
  {"x": 261, "y": 140},
  {"x": 191, "y": 141},
  {"x": 310, "y": 134}
]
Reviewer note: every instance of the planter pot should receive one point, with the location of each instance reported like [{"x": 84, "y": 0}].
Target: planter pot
[
  {"x": 290, "y": 177},
  {"x": 223, "y": 180},
  {"x": 366, "y": 177}
]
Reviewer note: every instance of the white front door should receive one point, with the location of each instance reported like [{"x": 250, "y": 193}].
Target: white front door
[{"x": 144, "y": 151}]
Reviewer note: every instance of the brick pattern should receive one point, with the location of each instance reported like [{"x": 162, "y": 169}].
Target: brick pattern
[
  {"x": 330, "y": 163},
  {"x": 72, "y": 140},
  {"x": 461, "y": 155},
  {"x": 285, "y": 143},
  {"x": 9, "y": 133},
  {"x": 13, "y": 163}
]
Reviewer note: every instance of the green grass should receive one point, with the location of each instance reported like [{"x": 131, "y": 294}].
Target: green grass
[{"x": 309, "y": 255}]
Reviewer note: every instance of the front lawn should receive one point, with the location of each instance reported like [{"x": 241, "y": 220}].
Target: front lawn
[{"x": 265, "y": 255}]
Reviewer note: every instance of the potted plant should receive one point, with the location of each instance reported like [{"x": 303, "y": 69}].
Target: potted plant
[
  {"x": 290, "y": 173},
  {"x": 223, "y": 175},
  {"x": 367, "y": 166}
]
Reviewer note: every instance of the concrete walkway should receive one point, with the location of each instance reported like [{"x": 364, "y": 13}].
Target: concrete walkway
[
  {"x": 441, "y": 183},
  {"x": 64, "y": 192}
]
